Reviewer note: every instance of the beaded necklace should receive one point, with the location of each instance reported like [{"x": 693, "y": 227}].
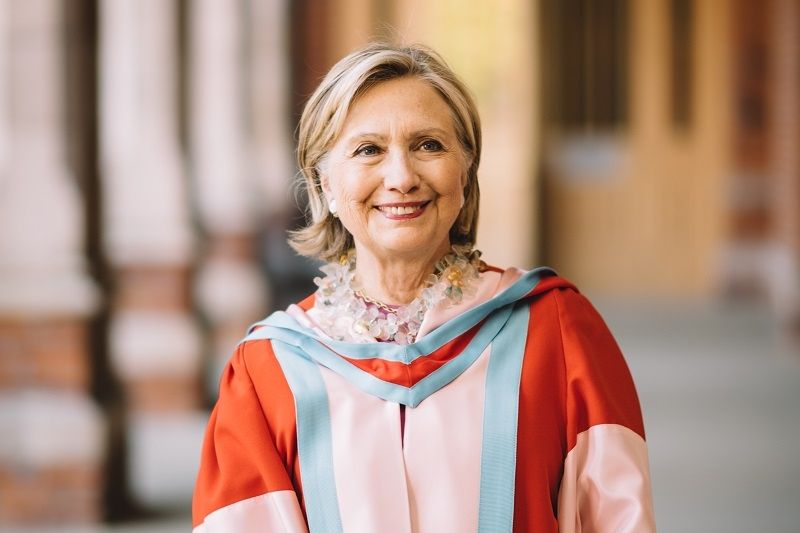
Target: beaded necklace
[{"x": 345, "y": 313}]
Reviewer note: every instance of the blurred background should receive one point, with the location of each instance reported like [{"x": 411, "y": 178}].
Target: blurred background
[{"x": 648, "y": 150}]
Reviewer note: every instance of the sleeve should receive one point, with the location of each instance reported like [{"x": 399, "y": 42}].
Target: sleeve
[
  {"x": 243, "y": 485},
  {"x": 606, "y": 482}
]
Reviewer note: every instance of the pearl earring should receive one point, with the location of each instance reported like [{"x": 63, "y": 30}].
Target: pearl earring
[{"x": 332, "y": 208}]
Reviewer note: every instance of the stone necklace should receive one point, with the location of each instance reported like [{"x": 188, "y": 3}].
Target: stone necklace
[{"x": 345, "y": 313}]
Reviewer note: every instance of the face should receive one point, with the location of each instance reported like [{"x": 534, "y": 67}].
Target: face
[{"x": 397, "y": 171}]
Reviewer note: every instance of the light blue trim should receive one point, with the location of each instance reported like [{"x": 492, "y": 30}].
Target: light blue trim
[
  {"x": 410, "y": 396},
  {"x": 428, "y": 343},
  {"x": 314, "y": 446},
  {"x": 500, "y": 417}
]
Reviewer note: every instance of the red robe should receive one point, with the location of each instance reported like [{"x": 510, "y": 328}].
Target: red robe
[{"x": 527, "y": 420}]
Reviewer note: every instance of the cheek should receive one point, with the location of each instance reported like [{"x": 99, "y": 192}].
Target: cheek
[
  {"x": 452, "y": 184},
  {"x": 354, "y": 198},
  {"x": 350, "y": 189}
]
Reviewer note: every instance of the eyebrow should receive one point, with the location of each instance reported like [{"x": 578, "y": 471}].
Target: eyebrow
[{"x": 414, "y": 134}]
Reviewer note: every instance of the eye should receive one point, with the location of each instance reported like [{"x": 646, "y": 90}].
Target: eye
[
  {"x": 368, "y": 150},
  {"x": 431, "y": 145}
]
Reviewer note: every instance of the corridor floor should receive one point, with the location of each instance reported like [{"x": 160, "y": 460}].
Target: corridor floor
[{"x": 720, "y": 390}]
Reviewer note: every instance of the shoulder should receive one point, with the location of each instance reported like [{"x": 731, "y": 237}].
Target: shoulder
[
  {"x": 537, "y": 281},
  {"x": 583, "y": 330},
  {"x": 567, "y": 301},
  {"x": 560, "y": 310},
  {"x": 544, "y": 284},
  {"x": 253, "y": 370},
  {"x": 558, "y": 307}
]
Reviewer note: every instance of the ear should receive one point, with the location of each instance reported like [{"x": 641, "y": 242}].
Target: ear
[
  {"x": 325, "y": 185},
  {"x": 465, "y": 175}
]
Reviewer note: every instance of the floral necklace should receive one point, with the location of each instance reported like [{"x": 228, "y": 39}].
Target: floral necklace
[{"x": 345, "y": 313}]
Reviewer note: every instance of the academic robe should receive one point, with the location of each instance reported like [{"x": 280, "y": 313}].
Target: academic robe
[{"x": 513, "y": 411}]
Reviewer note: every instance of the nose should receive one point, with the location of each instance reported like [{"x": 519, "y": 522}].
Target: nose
[{"x": 399, "y": 172}]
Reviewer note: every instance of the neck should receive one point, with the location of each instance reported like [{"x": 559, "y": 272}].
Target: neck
[{"x": 396, "y": 280}]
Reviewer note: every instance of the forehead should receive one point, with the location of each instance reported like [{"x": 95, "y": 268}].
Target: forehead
[{"x": 404, "y": 103}]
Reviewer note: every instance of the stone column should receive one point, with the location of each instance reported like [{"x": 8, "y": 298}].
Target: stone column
[
  {"x": 229, "y": 286},
  {"x": 52, "y": 444},
  {"x": 783, "y": 275},
  {"x": 285, "y": 40},
  {"x": 270, "y": 103},
  {"x": 5, "y": 109},
  {"x": 155, "y": 346},
  {"x": 749, "y": 223}
]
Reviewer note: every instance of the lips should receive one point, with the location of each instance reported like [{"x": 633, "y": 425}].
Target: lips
[
  {"x": 402, "y": 210},
  {"x": 407, "y": 210}
]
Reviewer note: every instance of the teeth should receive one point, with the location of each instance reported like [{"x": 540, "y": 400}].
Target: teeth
[{"x": 407, "y": 210}]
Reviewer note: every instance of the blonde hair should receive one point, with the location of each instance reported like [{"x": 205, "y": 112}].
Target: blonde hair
[{"x": 324, "y": 237}]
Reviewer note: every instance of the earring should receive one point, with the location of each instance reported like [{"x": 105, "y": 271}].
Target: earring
[{"x": 332, "y": 208}]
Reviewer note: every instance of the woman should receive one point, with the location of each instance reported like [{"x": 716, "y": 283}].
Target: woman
[{"x": 418, "y": 389}]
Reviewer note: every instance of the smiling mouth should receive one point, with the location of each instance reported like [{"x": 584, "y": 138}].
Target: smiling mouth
[{"x": 402, "y": 210}]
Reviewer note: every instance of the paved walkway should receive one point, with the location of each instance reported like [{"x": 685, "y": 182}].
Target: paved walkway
[{"x": 721, "y": 396}]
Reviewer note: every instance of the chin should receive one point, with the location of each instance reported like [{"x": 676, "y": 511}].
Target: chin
[{"x": 409, "y": 244}]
